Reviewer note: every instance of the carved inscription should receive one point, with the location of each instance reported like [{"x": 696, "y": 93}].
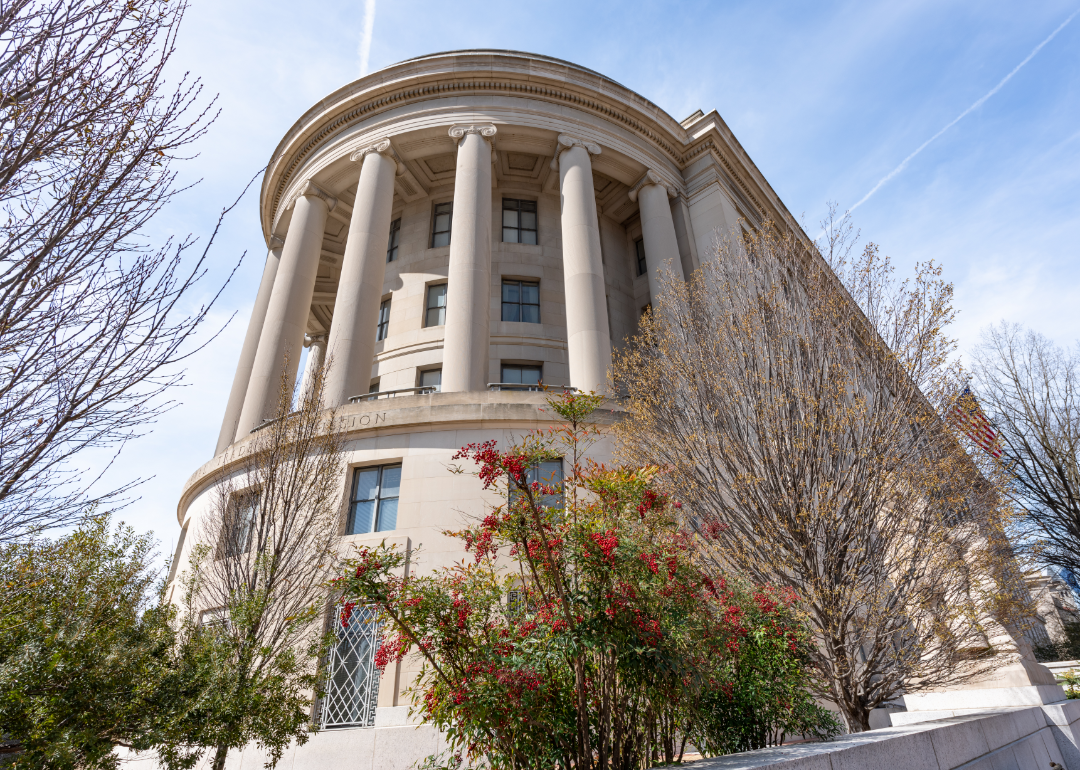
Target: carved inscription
[{"x": 365, "y": 420}]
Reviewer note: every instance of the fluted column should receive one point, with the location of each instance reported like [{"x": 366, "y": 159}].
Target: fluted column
[
  {"x": 287, "y": 314},
  {"x": 356, "y": 308},
  {"x": 658, "y": 231},
  {"x": 247, "y": 352},
  {"x": 588, "y": 338},
  {"x": 316, "y": 345},
  {"x": 468, "y": 290}
]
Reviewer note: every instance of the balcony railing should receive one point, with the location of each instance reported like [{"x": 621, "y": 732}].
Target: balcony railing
[
  {"x": 538, "y": 388},
  {"x": 423, "y": 390}
]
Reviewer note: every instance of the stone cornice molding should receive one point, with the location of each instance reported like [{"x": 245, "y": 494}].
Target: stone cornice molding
[
  {"x": 565, "y": 142},
  {"x": 648, "y": 178},
  {"x": 461, "y": 130},
  {"x": 310, "y": 189},
  {"x": 383, "y": 148}
]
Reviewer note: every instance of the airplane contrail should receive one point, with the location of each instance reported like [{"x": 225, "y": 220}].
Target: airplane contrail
[
  {"x": 963, "y": 114},
  {"x": 365, "y": 38}
]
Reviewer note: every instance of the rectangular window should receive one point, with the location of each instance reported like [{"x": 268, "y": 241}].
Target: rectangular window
[
  {"x": 239, "y": 530},
  {"x": 395, "y": 238},
  {"x": 521, "y": 301},
  {"x": 384, "y": 321},
  {"x": 352, "y": 680},
  {"x": 550, "y": 473},
  {"x": 519, "y": 221},
  {"x": 529, "y": 377},
  {"x": 432, "y": 378},
  {"x": 374, "y": 501},
  {"x": 440, "y": 224},
  {"x": 639, "y": 250},
  {"x": 435, "y": 308}
]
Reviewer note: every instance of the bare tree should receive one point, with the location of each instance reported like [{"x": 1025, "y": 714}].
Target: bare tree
[
  {"x": 266, "y": 549},
  {"x": 793, "y": 424},
  {"x": 91, "y": 315},
  {"x": 1030, "y": 388}
]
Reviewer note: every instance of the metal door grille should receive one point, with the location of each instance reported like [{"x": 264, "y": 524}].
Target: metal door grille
[{"x": 352, "y": 681}]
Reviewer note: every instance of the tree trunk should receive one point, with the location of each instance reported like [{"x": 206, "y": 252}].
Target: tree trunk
[{"x": 219, "y": 757}]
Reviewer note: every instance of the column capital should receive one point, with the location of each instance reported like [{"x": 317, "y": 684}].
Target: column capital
[
  {"x": 648, "y": 178},
  {"x": 383, "y": 148},
  {"x": 314, "y": 339},
  {"x": 276, "y": 241},
  {"x": 310, "y": 189},
  {"x": 566, "y": 141},
  {"x": 461, "y": 130}
]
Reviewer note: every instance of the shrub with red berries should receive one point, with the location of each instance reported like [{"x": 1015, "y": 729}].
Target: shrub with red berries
[{"x": 580, "y": 632}]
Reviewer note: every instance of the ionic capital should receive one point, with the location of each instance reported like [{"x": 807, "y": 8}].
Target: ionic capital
[
  {"x": 383, "y": 148},
  {"x": 310, "y": 189},
  {"x": 460, "y": 131},
  {"x": 565, "y": 142},
  {"x": 648, "y": 178},
  {"x": 276, "y": 242},
  {"x": 318, "y": 340}
]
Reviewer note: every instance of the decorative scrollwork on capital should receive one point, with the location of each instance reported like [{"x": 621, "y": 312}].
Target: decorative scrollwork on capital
[
  {"x": 565, "y": 142},
  {"x": 459, "y": 132},
  {"x": 383, "y": 148},
  {"x": 312, "y": 190},
  {"x": 319, "y": 340},
  {"x": 648, "y": 178},
  {"x": 276, "y": 242}
]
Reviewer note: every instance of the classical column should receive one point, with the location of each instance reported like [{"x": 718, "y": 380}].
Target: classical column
[
  {"x": 658, "y": 231},
  {"x": 251, "y": 344},
  {"x": 468, "y": 289},
  {"x": 588, "y": 339},
  {"x": 316, "y": 345},
  {"x": 287, "y": 314},
  {"x": 356, "y": 308}
]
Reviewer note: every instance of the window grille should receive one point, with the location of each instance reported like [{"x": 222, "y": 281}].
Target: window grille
[
  {"x": 440, "y": 224},
  {"x": 521, "y": 301},
  {"x": 639, "y": 250},
  {"x": 239, "y": 529},
  {"x": 384, "y": 321},
  {"x": 519, "y": 221},
  {"x": 395, "y": 239},
  {"x": 374, "y": 503},
  {"x": 435, "y": 310},
  {"x": 352, "y": 680}
]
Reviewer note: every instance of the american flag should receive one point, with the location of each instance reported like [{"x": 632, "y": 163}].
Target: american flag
[{"x": 970, "y": 419}]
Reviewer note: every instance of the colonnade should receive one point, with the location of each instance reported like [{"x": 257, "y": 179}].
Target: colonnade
[{"x": 279, "y": 319}]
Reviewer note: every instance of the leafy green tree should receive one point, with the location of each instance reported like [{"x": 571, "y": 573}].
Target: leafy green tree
[
  {"x": 582, "y": 633},
  {"x": 88, "y": 658}
]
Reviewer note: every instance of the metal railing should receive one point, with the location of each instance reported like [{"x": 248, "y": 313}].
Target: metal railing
[
  {"x": 537, "y": 388},
  {"x": 423, "y": 390}
]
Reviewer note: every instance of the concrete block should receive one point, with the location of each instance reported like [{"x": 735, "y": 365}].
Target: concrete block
[
  {"x": 903, "y": 752},
  {"x": 955, "y": 744},
  {"x": 400, "y": 748},
  {"x": 1000, "y": 730}
]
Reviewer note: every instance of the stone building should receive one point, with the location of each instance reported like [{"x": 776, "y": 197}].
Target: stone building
[{"x": 454, "y": 230}]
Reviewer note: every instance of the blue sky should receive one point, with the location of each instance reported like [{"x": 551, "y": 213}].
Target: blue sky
[{"x": 828, "y": 98}]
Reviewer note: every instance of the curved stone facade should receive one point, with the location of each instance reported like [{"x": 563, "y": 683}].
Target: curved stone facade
[{"x": 567, "y": 191}]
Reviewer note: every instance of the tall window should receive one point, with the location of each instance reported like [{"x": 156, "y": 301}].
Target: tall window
[
  {"x": 374, "y": 499},
  {"x": 548, "y": 472},
  {"x": 431, "y": 378},
  {"x": 352, "y": 680},
  {"x": 528, "y": 376},
  {"x": 384, "y": 321},
  {"x": 639, "y": 250},
  {"x": 395, "y": 238},
  {"x": 435, "y": 310},
  {"x": 519, "y": 221},
  {"x": 440, "y": 225},
  {"x": 521, "y": 301},
  {"x": 239, "y": 528}
]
